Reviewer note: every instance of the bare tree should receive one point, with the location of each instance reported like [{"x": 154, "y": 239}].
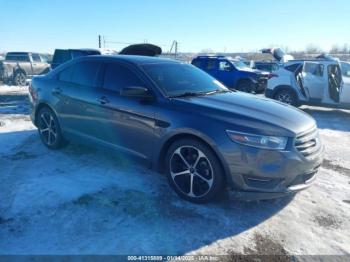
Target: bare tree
[{"x": 312, "y": 49}]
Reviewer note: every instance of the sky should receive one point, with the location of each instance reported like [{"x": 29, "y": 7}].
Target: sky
[{"x": 197, "y": 25}]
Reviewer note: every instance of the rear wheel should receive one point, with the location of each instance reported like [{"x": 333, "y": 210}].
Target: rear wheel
[
  {"x": 193, "y": 171},
  {"x": 20, "y": 79},
  {"x": 49, "y": 129},
  {"x": 286, "y": 96}
]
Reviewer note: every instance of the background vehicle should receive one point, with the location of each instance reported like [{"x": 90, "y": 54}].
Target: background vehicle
[
  {"x": 313, "y": 82},
  {"x": 61, "y": 56},
  {"x": 179, "y": 120},
  {"x": 267, "y": 66},
  {"x": 233, "y": 73},
  {"x": 18, "y": 67}
]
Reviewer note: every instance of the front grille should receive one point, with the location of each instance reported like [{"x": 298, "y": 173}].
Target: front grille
[{"x": 309, "y": 143}]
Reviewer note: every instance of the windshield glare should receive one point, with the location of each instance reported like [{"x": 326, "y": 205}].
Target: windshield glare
[
  {"x": 176, "y": 79},
  {"x": 238, "y": 64}
]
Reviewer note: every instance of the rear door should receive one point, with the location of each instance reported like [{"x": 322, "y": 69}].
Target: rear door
[
  {"x": 314, "y": 80},
  {"x": 76, "y": 91}
]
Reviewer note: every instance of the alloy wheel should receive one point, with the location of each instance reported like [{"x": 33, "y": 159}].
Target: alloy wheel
[
  {"x": 191, "y": 171},
  {"x": 20, "y": 79},
  {"x": 48, "y": 128},
  {"x": 285, "y": 98}
]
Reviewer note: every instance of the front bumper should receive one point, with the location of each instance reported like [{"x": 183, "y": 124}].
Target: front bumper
[
  {"x": 260, "y": 85},
  {"x": 264, "y": 174}
]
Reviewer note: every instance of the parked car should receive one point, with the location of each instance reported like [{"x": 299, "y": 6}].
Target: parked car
[
  {"x": 61, "y": 56},
  {"x": 18, "y": 67},
  {"x": 310, "y": 82},
  {"x": 64, "y": 55},
  {"x": 233, "y": 73},
  {"x": 267, "y": 66},
  {"x": 181, "y": 121}
]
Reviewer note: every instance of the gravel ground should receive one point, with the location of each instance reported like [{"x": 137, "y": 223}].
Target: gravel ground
[{"x": 81, "y": 200}]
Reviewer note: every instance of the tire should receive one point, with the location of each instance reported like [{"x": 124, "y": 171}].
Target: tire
[
  {"x": 190, "y": 160},
  {"x": 286, "y": 96},
  {"x": 245, "y": 86},
  {"x": 49, "y": 129},
  {"x": 20, "y": 78}
]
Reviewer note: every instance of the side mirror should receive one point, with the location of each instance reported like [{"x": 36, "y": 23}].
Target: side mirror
[
  {"x": 228, "y": 68},
  {"x": 135, "y": 91}
]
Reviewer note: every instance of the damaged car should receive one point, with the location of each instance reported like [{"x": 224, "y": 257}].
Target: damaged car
[
  {"x": 19, "y": 67},
  {"x": 319, "y": 82}
]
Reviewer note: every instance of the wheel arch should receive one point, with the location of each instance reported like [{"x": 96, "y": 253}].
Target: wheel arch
[
  {"x": 39, "y": 107},
  {"x": 160, "y": 159}
]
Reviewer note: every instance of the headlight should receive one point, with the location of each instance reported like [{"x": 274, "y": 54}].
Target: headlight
[{"x": 266, "y": 142}]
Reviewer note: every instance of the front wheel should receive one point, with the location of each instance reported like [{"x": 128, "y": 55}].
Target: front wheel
[
  {"x": 194, "y": 171},
  {"x": 49, "y": 129},
  {"x": 286, "y": 96},
  {"x": 245, "y": 86}
]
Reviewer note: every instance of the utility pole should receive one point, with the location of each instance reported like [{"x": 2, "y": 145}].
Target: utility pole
[
  {"x": 99, "y": 41},
  {"x": 175, "y": 49}
]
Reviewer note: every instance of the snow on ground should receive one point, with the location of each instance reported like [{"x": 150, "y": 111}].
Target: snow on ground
[{"x": 80, "y": 200}]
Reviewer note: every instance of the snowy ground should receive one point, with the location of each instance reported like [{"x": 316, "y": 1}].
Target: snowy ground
[{"x": 84, "y": 201}]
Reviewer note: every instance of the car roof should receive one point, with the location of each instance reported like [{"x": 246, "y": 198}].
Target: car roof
[{"x": 132, "y": 59}]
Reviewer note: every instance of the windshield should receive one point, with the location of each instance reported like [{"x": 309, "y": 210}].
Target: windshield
[
  {"x": 178, "y": 79},
  {"x": 239, "y": 64}
]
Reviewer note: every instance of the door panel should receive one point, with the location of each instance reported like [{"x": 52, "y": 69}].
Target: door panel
[
  {"x": 345, "y": 90},
  {"x": 313, "y": 78},
  {"x": 128, "y": 124}
]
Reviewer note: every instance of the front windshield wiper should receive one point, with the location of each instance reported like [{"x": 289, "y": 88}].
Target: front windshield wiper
[
  {"x": 187, "y": 94},
  {"x": 218, "y": 91}
]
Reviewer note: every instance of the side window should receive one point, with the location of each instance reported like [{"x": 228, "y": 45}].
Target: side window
[
  {"x": 210, "y": 64},
  {"x": 225, "y": 66},
  {"x": 118, "y": 76},
  {"x": 197, "y": 63},
  {"x": 36, "y": 58},
  {"x": 85, "y": 73},
  {"x": 314, "y": 69},
  {"x": 66, "y": 74},
  {"x": 292, "y": 68}
]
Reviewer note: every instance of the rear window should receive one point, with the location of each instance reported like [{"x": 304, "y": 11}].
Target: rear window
[
  {"x": 197, "y": 63},
  {"x": 85, "y": 73},
  {"x": 17, "y": 57},
  {"x": 66, "y": 74}
]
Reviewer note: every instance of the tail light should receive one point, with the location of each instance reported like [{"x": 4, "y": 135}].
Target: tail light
[
  {"x": 33, "y": 93},
  {"x": 272, "y": 75}
]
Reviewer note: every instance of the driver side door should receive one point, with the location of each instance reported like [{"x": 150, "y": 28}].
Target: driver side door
[
  {"x": 226, "y": 74},
  {"x": 314, "y": 80}
]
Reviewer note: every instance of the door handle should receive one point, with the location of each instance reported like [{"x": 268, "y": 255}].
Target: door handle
[
  {"x": 103, "y": 100},
  {"x": 56, "y": 91}
]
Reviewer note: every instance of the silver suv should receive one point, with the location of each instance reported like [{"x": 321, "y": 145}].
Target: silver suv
[{"x": 312, "y": 82}]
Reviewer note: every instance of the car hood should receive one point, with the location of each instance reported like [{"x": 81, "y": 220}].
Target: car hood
[
  {"x": 250, "y": 112},
  {"x": 255, "y": 71}
]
